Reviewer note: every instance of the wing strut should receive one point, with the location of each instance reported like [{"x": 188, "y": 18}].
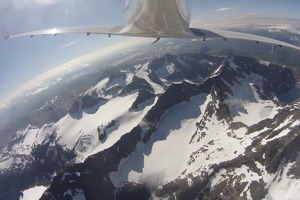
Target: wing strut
[
  {"x": 156, "y": 40},
  {"x": 272, "y": 49}
]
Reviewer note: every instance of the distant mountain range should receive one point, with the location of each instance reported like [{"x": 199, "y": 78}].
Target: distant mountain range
[{"x": 176, "y": 126}]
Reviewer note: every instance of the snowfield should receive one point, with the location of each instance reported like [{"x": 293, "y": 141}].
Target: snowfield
[
  {"x": 154, "y": 161},
  {"x": 222, "y": 136},
  {"x": 34, "y": 193},
  {"x": 70, "y": 129},
  {"x": 245, "y": 103}
]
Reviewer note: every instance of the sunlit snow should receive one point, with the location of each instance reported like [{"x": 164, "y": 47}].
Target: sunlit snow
[
  {"x": 70, "y": 129},
  {"x": 34, "y": 193}
]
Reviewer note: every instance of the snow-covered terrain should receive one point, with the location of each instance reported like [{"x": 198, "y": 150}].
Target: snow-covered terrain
[
  {"x": 71, "y": 131},
  {"x": 34, "y": 193},
  {"x": 176, "y": 127}
]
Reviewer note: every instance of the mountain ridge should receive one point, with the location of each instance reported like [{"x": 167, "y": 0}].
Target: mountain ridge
[
  {"x": 164, "y": 112},
  {"x": 136, "y": 136}
]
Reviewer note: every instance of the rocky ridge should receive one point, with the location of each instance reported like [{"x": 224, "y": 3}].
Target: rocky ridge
[{"x": 234, "y": 137}]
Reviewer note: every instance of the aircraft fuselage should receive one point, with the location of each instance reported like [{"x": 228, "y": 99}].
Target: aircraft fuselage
[{"x": 158, "y": 17}]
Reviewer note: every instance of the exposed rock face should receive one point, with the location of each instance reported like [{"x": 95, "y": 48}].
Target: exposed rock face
[
  {"x": 208, "y": 128},
  {"x": 85, "y": 102},
  {"x": 220, "y": 86}
]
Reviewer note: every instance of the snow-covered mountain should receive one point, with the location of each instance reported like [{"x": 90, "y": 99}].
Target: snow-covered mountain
[{"x": 188, "y": 126}]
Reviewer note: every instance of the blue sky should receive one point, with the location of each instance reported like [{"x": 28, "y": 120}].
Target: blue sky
[{"x": 22, "y": 59}]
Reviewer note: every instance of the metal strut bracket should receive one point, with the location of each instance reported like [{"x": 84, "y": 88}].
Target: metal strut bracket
[{"x": 156, "y": 40}]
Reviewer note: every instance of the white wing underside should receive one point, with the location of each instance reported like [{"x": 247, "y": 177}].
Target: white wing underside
[
  {"x": 54, "y": 31},
  {"x": 251, "y": 37},
  {"x": 205, "y": 34}
]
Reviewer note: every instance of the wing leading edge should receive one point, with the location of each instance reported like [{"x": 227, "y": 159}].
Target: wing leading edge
[
  {"x": 244, "y": 36},
  {"x": 109, "y": 30},
  {"x": 205, "y": 34}
]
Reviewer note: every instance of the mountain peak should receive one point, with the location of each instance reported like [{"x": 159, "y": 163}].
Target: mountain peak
[{"x": 179, "y": 127}]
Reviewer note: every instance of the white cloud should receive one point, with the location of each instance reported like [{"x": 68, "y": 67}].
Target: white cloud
[
  {"x": 223, "y": 9},
  {"x": 294, "y": 39},
  {"x": 4, "y": 105},
  {"x": 19, "y": 4},
  {"x": 68, "y": 44},
  {"x": 47, "y": 2},
  {"x": 82, "y": 61},
  {"x": 284, "y": 27},
  {"x": 249, "y": 19}
]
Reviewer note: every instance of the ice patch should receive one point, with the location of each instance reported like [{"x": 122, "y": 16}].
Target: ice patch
[
  {"x": 256, "y": 112},
  {"x": 165, "y": 70},
  {"x": 253, "y": 135},
  {"x": 217, "y": 71},
  {"x": 129, "y": 77},
  {"x": 34, "y": 193},
  {"x": 245, "y": 104},
  {"x": 264, "y": 62},
  {"x": 284, "y": 123},
  {"x": 75, "y": 194},
  {"x": 142, "y": 73},
  {"x": 120, "y": 81},
  {"x": 99, "y": 87},
  {"x": 283, "y": 186},
  {"x": 6, "y": 162}
]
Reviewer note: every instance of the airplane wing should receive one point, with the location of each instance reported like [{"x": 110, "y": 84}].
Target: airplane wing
[
  {"x": 205, "y": 34},
  {"x": 109, "y": 30},
  {"x": 223, "y": 34}
]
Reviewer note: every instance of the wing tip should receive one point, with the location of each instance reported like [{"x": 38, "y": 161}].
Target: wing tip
[{"x": 5, "y": 34}]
